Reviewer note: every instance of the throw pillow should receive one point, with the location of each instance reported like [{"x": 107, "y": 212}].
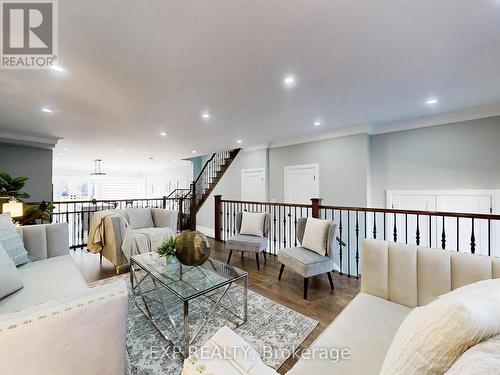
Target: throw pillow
[
  {"x": 433, "y": 337},
  {"x": 316, "y": 235},
  {"x": 10, "y": 280},
  {"x": 11, "y": 240},
  {"x": 252, "y": 223},
  {"x": 481, "y": 359},
  {"x": 139, "y": 218}
]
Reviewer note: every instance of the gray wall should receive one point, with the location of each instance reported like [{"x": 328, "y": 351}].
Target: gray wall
[
  {"x": 230, "y": 184},
  {"x": 30, "y": 162},
  {"x": 463, "y": 155},
  {"x": 343, "y": 168}
]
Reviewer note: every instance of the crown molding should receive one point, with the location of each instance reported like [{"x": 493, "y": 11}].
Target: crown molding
[
  {"x": 450, "y": 117},
  {"x": 262, "y": 146},
  {"x": 335, "y": 133},
  {"x": 28, "y": 139}
]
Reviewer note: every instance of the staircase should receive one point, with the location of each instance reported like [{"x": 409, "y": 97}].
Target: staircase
[{"x": 210, "y": 175}]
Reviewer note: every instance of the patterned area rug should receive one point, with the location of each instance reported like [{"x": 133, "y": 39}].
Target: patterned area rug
[{"x": 269, "y": 326}]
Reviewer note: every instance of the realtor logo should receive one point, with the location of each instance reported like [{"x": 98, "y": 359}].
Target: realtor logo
[{"x": 29, "y": 34}]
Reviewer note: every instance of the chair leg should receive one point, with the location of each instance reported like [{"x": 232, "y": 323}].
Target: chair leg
[
  {"x": 100, "y": 258},
  {"x": 257, "y": 259},
  {"x": 281, "y": 271},
  {"x": 229, "y": 258},
  {"x": 330, "y": 280},
  {"x": 242, "y": 254},
  {"x": 306, "y": 280},
  {"x": 264, "y": 253}
]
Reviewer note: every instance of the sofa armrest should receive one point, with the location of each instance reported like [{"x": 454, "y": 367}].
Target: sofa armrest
[
  {"x": 81, "y": 334},
  {"x": 44, "y": 241},
  {"x": 165, "y": 218}
]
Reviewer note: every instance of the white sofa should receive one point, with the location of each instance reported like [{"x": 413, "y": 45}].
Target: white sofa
[
  {"x": 395, "y": 279},
  {"x": 116, "y": 234},
  {"x": 56, "y": 324}
]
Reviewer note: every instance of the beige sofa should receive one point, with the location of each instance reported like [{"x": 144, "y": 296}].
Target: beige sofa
[
  {"x": 56, "y": 324},
  {"x": 395, "y": 279},
  {"x": 116, "y": 234}
]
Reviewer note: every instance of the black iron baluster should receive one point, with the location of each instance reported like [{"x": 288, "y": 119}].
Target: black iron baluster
[
  {"x": 406, "y": 229},
  {"x": 295, "y": 225},
  {"x": 357, "y": 245},
  {"x": 274, "y": 227},
  {"x": 340, "y": 247},
  {"x": 348, "y": 243},
  {"x": 489, "y": 237},
  {"x": 395, "y": 230},
  {"x": 418, "y": 230},
  {"x": 458, "y": 235},
  {"x": 473, "y": 240},
  {"x": 365, "y": 224},
  {"x": 284, "y": 227},
  {"x": 430, "y": 231},
  {"x": 234, "y": 219},
  {"x": 443, "y": 237},
  {"x": 375, "y": 225},
  {"x": 280, "y": 242}
]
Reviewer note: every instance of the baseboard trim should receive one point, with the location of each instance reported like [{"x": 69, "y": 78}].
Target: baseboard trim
[{"x": 207, "y": 231}]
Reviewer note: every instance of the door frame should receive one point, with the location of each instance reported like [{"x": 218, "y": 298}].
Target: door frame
[
  {"x": 289, "y": 168},
  {"x": 263, "y": 170}
]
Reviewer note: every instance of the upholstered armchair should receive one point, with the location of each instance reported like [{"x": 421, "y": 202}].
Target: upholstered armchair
[
  {"x": 307, "y": 262},
  {"x": 120, "y": 233},
  {"x": 252, "y": 234}
]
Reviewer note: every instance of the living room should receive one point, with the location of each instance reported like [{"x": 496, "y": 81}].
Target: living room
[{"x": 249, "y": 188}]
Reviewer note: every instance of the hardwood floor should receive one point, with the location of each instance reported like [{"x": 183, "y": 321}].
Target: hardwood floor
[{"x": 322, "y": 304}]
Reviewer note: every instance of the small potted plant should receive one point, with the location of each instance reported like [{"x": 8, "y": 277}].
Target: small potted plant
[{"x": 167, "y": 249}]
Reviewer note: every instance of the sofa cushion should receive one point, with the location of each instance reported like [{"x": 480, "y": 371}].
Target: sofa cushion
[
  {"x": 11, "y": 240},
  {"x": 44, "y": 280},
  {"x": 243, "y": 242},
  {"x": 139, "y": 218},
  {"x": 366, "y": 327},
  {"x": 305, "y": 262},
  {"x": 481, "y": 359},
  {"x": 432, "y": 337},
  {"x": 316, "y": 235},
  {"x": 10, "y": 280},
  {"x": 252, "y": 223}
]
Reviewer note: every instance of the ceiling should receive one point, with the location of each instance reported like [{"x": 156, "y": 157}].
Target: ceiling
[{"x": 135, "y": 69}]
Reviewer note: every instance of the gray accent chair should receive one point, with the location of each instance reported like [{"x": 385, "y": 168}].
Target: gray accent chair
[
  {"x": 305, "y": 262},
  {"x": 249, "y": 243}
]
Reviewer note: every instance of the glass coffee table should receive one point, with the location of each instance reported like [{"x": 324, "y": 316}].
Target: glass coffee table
[{"x": 153, "y": 278}]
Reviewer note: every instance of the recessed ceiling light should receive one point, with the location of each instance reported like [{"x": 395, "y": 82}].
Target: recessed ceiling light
[
  {"x": 289, "y": 81},
  {"x": 56, "y": 68},
  {"x": 47, "y": 110},
  {"x": 61, "y": 154},
  {"x": 66, "y": 149},
  {"x": 163, "y": 134},
  {"x": 193, "y": 152},
  {"x": 317, "y": 123},
  {"x": 57, "y": 158},
  {"x": 205, "y": 115},
  {"x": 239, "y": 141},
  {"x": 174, "y": 160},
  {"x": 432, "y": 101}
]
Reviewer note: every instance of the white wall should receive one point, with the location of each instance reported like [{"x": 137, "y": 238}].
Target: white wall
[
  {"x": 343, "y": 168},
  {"x": 229, "y": 186},
  {"x": 29, "y": 162},
  {"x": 463, "y": 155}
]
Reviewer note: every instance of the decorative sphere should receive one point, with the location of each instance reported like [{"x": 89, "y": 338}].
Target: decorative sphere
[{"x": 192, "y": 248}]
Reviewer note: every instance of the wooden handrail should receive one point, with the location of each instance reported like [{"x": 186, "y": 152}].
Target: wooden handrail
[
  {"x": 464, "y": 215},
  {"x": 268, "y": 203},
  {"x": 205, "y": 167}
]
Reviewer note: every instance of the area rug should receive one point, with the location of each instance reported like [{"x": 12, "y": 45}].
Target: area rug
[{"x": 272, "y": 329}]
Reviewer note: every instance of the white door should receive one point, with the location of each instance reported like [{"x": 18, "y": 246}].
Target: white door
[
  {"x": 478, "y": 204},
  {"x": 462, "y": 201},
  {"x": 253, "y": 185},
  {"x": 301, "y": 183}
]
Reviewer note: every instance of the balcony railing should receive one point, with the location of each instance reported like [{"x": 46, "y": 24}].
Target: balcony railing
[
  {"x": 78, "y": 213},
  {"x": 464, "y": 232}
]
